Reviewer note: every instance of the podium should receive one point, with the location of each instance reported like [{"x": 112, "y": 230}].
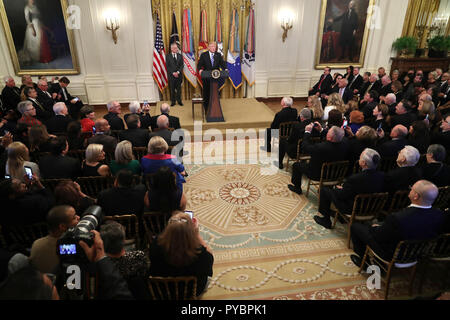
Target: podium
[{"x": 214, "y": 113}]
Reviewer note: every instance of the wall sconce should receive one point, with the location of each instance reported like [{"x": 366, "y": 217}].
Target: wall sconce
[
  {"x": 286, "y": 19},
  {"x": 112, "y": 22}
]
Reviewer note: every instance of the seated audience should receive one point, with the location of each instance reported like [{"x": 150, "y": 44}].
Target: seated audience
[
  {"x": 323, "y": 85},
  {"x": 390, "y": 149},
  {"x": 397, "y": 89},
  {"x": 355, "y": 84},
  {"x": 59, "y": 123},
  {"x": 41, "y": 112},
  {"x": 57, "y": 165},
  {"x": 290, "y": 145},
  {"x": 365, "y": 137},
  {"x": 164, "y": 132},
  {"x": 442, "y": 136},
  {"x": 18, "y": 159},
  {"x": 372, "y": 84},
  {"x": 172, "y": 257},
  {"x": 386, "y": 87},
  {"x": 43, "y": 251},
  {"x": 333, "y": 149},
  {"x": 74, "y": 104},
  {"x": 342, "y": 90},
  {"x": 406, "y": 174},
  {"x": 368, "y": 181},
  {"x": 335, "y": 119},
  {"x": 43, "y": 96},
  {"x": 380, "y": 114},
  {"x": 24, "y": 203},
  {"x": 8, "y": 123},
  {"x": 132, "y": 265},
  {"x": 287, "y": 114},
  {"x": 157, "y": 157},
  {"x": 174, "y": 122},
  {"x": 417, "y": 222},
  {"x": 419, "y": 136},
  {"x": 69, "y": 193},
  {"x": 28, "y": 113},
  {"x": 164, "y": 195},
  {"x": 87, "y": 119},
  {"x": 102, "y": 136},
  {"x": 315, "y": 106},
  {"x": 124, "y": 159},
  {"x": 137, "y": 136},
  {"x": 368, "y": 104},
  {"x": 75, "y": 139},
  {"x": 115, "y": 122},
  {"x": 123, "y": 198},
  {"x": 93, "y": 165},
  {"x": 435, "y": 170},
  {"x": 143, "y": 114},
  {"x": 334, "y": 102}
]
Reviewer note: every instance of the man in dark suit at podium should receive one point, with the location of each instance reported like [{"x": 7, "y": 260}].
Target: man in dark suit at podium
[
  {"x": 209, "y": 60},
  {"x": 175, "y": 64}
]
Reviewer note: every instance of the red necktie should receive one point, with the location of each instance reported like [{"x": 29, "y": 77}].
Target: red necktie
[{"x": 320, "y": 84}]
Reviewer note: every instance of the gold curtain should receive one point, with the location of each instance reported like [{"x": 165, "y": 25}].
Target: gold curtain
[
  {"x": 420, "y": 13},
  {"x": 166, "y": 7}
]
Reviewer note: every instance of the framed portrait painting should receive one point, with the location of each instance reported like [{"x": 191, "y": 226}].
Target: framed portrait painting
[
  {"x": 38, "y": 38},
  {"x": 343, "y": 33}
]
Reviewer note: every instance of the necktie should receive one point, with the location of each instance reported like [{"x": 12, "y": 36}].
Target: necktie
[
  {"x": 320, "y": 84},
  {"x": 212, "y": 60},
  {"x": 48, "y": 94},
  {"x": 38, "y": 104},
  {"x": 175, "y": 56},
  {"x": 65, "y": 94},
  {"x": 341, "y": 92}
]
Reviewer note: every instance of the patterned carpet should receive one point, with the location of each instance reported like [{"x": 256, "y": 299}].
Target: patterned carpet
[{"x": 266, "y": 244}]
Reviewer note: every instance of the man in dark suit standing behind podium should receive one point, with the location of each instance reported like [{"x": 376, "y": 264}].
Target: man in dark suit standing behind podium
[
  {"x": 209, "y": 60},
  {"x": 175, "y": 64}
]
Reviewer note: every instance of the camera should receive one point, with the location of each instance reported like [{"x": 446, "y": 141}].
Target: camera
[{"x": 68, "y": 249}]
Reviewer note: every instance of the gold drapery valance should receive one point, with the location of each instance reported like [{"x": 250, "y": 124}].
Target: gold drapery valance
[
  {"x": 420, "y": 13},
  {"x": 166, "y": 8}
]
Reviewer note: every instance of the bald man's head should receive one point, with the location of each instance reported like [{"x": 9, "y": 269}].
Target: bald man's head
[
  {"x": 163, "y": 122},
  {"x": 399, "y": 131},
  {"x": 165, "y": 108},
  {"x": 423, "y": 193},
  {"x": 102, "y": 125}
]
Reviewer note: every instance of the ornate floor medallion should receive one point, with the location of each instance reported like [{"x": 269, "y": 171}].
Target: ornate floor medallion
[{"x": 238, "y": 199}]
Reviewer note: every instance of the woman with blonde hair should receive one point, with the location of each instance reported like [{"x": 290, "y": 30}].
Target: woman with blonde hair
[
  {"x": 181, "y": 251},
  {"x": 18, "y": 159},
  {"x": 124, "y": 159},
  {"x": 315, "y": 106},
  {"x": 334, "y": 102},
  {"x": 157, "y": 158},
  {"x": 93, "y": 165}
]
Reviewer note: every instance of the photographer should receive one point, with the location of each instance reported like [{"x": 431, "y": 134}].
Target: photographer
[{"x": 111, "y": 284}]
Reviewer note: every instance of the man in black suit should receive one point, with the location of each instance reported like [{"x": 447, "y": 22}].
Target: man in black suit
[
  {"x": 367, "y": 105},
  {"x": 417, "y": 222},
  {"x": 137, "y": 136},
  {"x": 402, "y": 114},
  {"x": 115, "y": 122},
  {"x": 386, "y": 87},
  {"x": 123, "y": 198},
  {"x": 333, "y": 149},
  {"x": 174, "y": 122},
  {"x": 435, "y": 170},
  {"x": 406, "y": 174},
  {"x": 348, "y": 30},
  {"x": 343, "y": 90},
  {"x": 42, "y": 113},
  {"x": 323, "y": 86},
  {"x": 59, "y": 123},
  {"x": 45, "y": 97},
  {"x": 62, "y": 95},
  {"x": 209, "y": 60},
  {"x": 372, "y": 84},
  {"x": 289, "y": 146},
  {"x": 163, "y": 131},
  {"x": 390, "y": 148},
  {"x": 442, "y": 137},
  {"x": 444, "y": 90},
  {"x": 102, "y": 136},
  {"x": 286, "y": 114},
  {"x": 368, "y": 181},
  {"x": 357, "y": 82},
  {"x": 58, "y": 165},
  {"x": 175, "y": 65},
  {"x": 10, "y": 94}
]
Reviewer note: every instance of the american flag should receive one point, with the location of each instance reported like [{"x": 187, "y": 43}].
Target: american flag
[{"x": 159, "y": 58}]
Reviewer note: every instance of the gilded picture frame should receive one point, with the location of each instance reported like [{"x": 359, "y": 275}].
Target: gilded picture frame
[
  {"x": 38, "y": 37},
  {"x": 343, "y": 33}
]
